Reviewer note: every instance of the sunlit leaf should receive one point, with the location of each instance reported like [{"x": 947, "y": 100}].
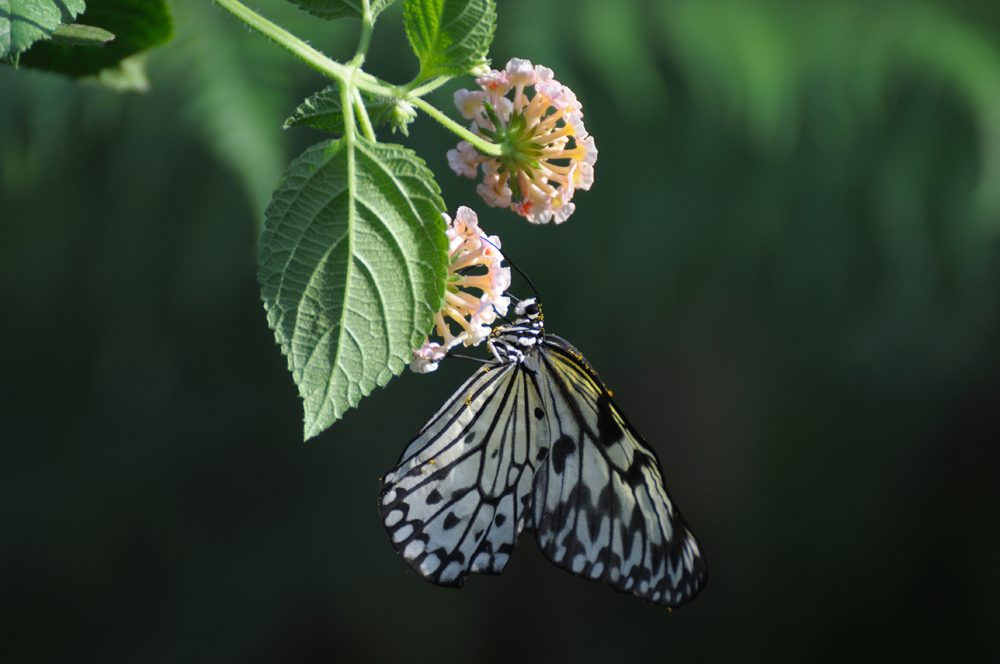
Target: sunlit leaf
[
  {"x": 451, "y": 37},
  {"x": 352, "y": 252}
]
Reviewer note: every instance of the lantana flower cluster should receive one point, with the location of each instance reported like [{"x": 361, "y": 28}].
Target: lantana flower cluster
[
  {"x": 535, "y": 131},
  {"x": 467, "y": 249}
]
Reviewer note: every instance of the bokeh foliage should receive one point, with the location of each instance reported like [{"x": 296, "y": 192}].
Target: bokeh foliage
[
  {"x": 786, "y": 270},
  {"x": 102, "y": 41}
]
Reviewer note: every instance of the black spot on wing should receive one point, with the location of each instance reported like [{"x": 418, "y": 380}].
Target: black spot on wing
[
  {"x": 636, "y": 523},
  {"x": 656, "y": 552},
  {"x": 560, "y": 450},
  {"x": 542, "y": 453},
  {"x": 434, "y": 497},
  {"x": 441, "y": 475},
  {"x": 609, "y": 430},
  {"x": 539, "y": 413},
  {"x": 499, "y": 520},
  {"x": 602, "y": 509},
  {"x": 451, "y": 521},
  {"x": 634, "y": 476}
]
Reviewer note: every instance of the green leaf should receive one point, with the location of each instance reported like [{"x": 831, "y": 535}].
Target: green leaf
[
  {"x": 331, "y": 9},
  {"x": 323, "y": 111},
  {"x": 352, "y": 268},
  {"x": 81, "y": 35},
  {"x": 137, "y": 25},
  {"x": 451, "y": 37},
  {"x": 23, "y": 22}
]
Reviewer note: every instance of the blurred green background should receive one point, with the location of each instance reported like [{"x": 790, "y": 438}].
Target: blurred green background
[{"x": 787, "y": 270}]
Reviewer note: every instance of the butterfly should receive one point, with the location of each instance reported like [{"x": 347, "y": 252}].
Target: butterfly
[{"x": 534, "y": 442}]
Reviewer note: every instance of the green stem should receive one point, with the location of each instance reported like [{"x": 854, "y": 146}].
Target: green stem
[
  {"x": 367, "y": 23},
  {"x": 290, "y": 42},
  {"x": 483, "y": 146},
  {"x": 347, "y": 103},
  {"x": 362, "y": 113},
  {"x": 420, "y": 90},
  {"x": 351, "y": 77}
]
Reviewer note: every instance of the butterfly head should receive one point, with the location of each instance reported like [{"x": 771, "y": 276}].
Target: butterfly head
[{"x": 528, "y": 311}]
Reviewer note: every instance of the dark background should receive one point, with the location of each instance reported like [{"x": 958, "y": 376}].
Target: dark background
[{"x": 787, "y": 270}]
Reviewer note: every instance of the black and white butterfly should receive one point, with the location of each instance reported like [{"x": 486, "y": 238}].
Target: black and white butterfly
[{"x": 533, "y": 442}]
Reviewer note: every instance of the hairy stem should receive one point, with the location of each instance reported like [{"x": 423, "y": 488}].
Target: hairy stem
[
  {"x": 367, "y": 23},
  {"x": 416, "y": 89},
  {"x": 483, "y": 146},
  {"x": 329, "y": 68},
  {"x": 362, "y": 113}
]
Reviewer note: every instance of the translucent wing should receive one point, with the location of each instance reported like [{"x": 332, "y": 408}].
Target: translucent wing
[
  {"x": 600, "y": 509},
  {"x": 458, "y": 499}
]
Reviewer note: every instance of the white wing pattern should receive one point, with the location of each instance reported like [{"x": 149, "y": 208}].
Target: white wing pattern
[
  {"x": 458, "y": 500},
  {"x": 533, "y": 441},
  {"x": 600, "y": 509}
]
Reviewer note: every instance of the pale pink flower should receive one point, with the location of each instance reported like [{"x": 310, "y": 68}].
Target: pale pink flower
[
  {"x": 536, "y": 131},
  {"x": 426, "y": 358},
  {"x": 468, "y": 102},
  {"x": 520, "y": 73},
  {"x": 494, "y": 190},
  {"x": 494, "y": 81},
  {"x": 464, "y": 159},
  {"x": 469, "y": 253},
  {"x": 582, "y": 176}
]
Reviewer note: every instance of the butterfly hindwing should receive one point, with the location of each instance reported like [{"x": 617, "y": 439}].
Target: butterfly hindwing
[
  {"x": 459, "y": 497},
  {"x": 600, "y": 509}
]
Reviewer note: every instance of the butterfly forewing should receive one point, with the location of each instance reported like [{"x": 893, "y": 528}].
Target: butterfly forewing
[
  {"x": 600, "y": 509},
  {"x": 458, "y": 499}
]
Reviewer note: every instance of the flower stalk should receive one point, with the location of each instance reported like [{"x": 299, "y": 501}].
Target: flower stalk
[{"x": 480, "y": 144}]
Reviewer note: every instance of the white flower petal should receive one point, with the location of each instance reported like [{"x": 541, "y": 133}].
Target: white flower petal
[{"x": 469, "y": 102}]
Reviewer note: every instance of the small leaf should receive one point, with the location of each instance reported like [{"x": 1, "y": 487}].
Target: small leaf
[
  {"x": 323, "y": 111},
  {"x": 451, "y": 37},
  {"x": 353, "y": 250},
  {"x": 137, "y": 25},
  {"x": 23, "y": 22},
  {"x": 81, "y": 35},
  {"x": 331, "y": 9}
]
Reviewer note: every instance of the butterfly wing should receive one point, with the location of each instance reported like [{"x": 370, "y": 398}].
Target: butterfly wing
[
  {"x": 459, "y": 497},
  {"x": 600, "y": 509}
]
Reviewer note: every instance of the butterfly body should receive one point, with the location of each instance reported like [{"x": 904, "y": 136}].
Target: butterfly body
[{"x": 533, "y": 441}]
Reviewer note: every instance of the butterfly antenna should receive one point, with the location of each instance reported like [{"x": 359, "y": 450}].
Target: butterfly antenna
[
  {"x": 513, "y": 265},
  {"x": 469, "y": 357}
]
